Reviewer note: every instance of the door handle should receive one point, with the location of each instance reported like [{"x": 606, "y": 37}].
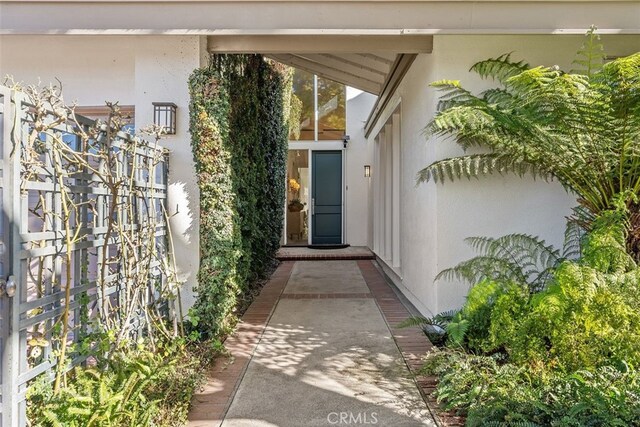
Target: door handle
[{"x": 313, "y": 206}]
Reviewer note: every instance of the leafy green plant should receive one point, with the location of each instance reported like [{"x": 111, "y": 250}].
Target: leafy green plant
[
  {"x": 579, "y": 127},
  {"x": 506, "y": 269},
  {"x": 588, "y": 317},
  {"x": 97, "y": 398},
  {"x": 493, "y": 393},
  {"x": 239, "y": 134},
  {"x": 516, "y": 258},
  {"x": 135, "y": 386}
]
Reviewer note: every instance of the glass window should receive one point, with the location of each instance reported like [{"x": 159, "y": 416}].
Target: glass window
[
  {"x": 331, "y": 110},
  {"x": 328, "y": 97},
  {"x": 298, "y": 192},
  {"x": 302, "y": 107}
]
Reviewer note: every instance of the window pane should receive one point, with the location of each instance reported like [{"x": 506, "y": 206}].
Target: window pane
[
  {"x": 302, "y": 109},
  {"x": 331, "y": 110},
  {"x": 298, "y": 191}
]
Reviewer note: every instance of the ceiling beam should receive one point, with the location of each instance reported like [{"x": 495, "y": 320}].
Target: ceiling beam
[
  {"x": 320, "y": 44},
  {"x": 347, "y": 66},
  {"x": 373, "y": 62},
  {"x": 328, "y": 73}
]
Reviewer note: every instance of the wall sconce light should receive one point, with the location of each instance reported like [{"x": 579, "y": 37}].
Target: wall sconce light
[
  {"x": 164, "y": 114},
  {"x": 345, "y": 140},
  {"x": 367, "y": 171}
]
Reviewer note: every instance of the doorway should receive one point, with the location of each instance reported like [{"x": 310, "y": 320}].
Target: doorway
[
  {"x": 314, "y": 207},
  {"x": 326, "y": 197}
]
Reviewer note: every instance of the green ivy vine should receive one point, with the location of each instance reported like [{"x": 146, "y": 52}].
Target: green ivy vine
[{"x": 239, "y": 130}]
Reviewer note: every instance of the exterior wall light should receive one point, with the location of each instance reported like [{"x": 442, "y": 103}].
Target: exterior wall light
[
  {"x": 164, "y": 114},
  {"x": 345, "y": 140},
  {"x": 367, "y": 171}
]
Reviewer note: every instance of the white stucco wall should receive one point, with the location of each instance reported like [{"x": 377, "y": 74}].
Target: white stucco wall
[
  {"x": 435, "y": 219},
  {"x": 135, "y": 70},
  {"x": 356, "y": 156}
]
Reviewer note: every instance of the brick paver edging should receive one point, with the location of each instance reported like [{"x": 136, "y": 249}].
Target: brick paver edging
[
  {"x": 342, "y": 295},
  {"x": 210, "y": 404},
  {"x": 412, "y": 342},
  {"x": 325, "y": 257}
]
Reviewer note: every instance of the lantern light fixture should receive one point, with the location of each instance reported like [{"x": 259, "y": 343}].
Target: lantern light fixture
[
  {"x": 164, "y": 114},
  {"x": 367, "y": 171},
  {"x": 345, "y": 140}
]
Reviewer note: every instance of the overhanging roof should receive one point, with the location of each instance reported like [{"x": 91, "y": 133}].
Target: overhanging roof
[
  {"x": 318, "y": 17},
  {"x": 365, "y": 62},
  {"x": 366, "y": 73}
]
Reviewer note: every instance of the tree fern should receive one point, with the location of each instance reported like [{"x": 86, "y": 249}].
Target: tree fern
[{"x": 580, "y": 128}]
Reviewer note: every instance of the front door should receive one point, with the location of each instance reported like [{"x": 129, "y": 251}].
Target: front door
[{"x": 326, "y": 198}]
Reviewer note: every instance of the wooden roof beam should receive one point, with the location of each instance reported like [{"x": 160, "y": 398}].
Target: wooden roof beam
[{"x": 339, "y": 76}]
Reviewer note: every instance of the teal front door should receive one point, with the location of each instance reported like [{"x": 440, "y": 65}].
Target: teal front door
[{"x": 326, "y": 197}]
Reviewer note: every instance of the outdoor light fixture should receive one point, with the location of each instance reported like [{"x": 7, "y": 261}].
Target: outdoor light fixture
[
  {"x": 164, "y": 114},
  {"x": 345, "y": 140},
  {"x": 367, "y": 171}
]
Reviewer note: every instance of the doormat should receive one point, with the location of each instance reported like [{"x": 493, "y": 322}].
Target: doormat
[{"x": 328, "y": 246}]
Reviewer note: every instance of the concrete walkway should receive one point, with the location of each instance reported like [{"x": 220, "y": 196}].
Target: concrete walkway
[{"x": 326, "y": 357}]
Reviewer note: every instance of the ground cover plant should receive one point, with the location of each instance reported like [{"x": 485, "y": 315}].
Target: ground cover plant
[{"x": 547, "y": 337}]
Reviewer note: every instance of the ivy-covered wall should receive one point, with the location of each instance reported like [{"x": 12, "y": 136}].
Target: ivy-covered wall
[{"x": 239, "y": 132}]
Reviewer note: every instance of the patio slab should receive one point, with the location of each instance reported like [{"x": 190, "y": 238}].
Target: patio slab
[{"x": 326, "y": 277}]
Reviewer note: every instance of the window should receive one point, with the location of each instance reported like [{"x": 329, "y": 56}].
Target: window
[
  {"x": 102, "y": 113},
  {"x": 318, "y": 108},
  {"x": 331, "y": 110}
]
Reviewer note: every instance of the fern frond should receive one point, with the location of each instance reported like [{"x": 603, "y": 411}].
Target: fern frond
[
  {"x": 479, "y": 268},
  {"x": 573, "y": 240},
  {"x": 475, "y": 165},
  {"x": 453, "y": 94},
  {"x": 500, "y": 68},
  {"x": 456, "y": 330},
  {"x": 590, "y": 56},
  {"x": 516, "y": 258},
  {"x": 414, "y": 321}
]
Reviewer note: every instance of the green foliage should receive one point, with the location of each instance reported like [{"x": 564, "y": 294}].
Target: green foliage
[
  {"x": 133, "y": 387},
  {"x": 97, "y": 398},
  {"x": 587, "y": 317},
  {"x": 492, "y": 393},
  {"x": 560, "y": 355},
  {"x": 506, "y": 272},
  {"x": 580, "y": 128},
  {"x": 239, "y": 138},
  {"x": 517, "y": 258}
]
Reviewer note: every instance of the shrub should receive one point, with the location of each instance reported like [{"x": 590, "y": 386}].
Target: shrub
[
  {"x": 239, "y": 140},
  {"x": 588, "y": 317},
  {"x": 134, "y": 387},
  {"x": 98, "y": 398},
  {"x": 492, "y": 393}
]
